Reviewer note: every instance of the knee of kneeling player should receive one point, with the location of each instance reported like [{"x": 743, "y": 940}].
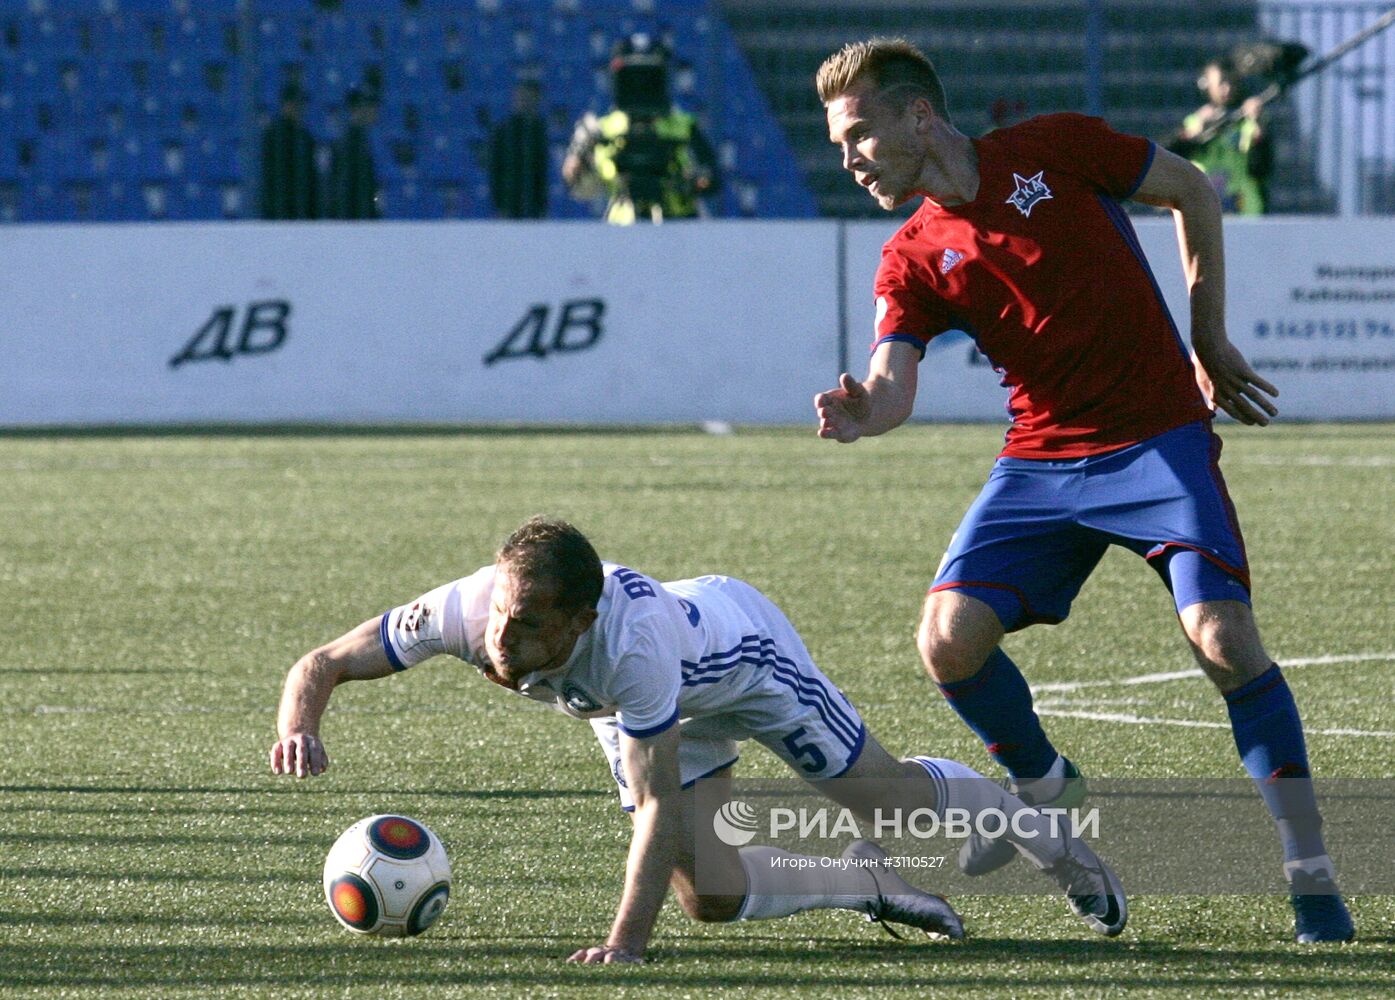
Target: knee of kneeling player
[{"x": 711, "y": 909}]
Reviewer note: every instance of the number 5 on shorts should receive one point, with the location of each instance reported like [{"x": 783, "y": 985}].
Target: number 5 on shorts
[{"x": 817, "y": 761}]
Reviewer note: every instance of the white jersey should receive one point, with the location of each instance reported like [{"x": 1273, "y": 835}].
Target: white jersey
[{"x": 711, "y": 651}]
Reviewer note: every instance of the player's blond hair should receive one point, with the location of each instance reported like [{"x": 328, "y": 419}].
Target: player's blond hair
[
  {"x": 899, "y": 71},
  {"x": 544, "y": 549}
]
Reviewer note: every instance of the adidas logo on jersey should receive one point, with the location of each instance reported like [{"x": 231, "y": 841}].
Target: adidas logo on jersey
[
  {"x": 950, "y": 259},
  {"x": 1029, "y": 193}
]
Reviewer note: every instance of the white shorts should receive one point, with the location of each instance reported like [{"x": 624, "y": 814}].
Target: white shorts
[{"x": 785, "y": 703}]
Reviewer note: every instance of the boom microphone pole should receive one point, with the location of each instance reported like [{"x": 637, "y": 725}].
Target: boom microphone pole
[{"x": 1287, "y": 80}]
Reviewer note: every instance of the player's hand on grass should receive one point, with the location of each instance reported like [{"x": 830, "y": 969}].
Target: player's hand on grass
[
  {"x": 605, "y": 955},
  {"x": 301, "y": 754},
  {"x": 1232, "y": 386},
  {"x": 843, "y": 410}
]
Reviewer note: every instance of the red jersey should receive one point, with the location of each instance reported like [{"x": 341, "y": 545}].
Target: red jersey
[{"x": 1043, "y": 269}]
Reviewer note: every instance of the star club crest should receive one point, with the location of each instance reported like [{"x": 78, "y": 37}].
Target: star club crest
[{"x": 1030, "y": 191}]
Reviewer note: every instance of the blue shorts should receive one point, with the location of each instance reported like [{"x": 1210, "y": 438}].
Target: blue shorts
[{"x": 1040, "y": 526}]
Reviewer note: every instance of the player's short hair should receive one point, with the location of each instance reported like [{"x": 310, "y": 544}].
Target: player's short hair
[
  {"x": 899, "y": 70},
  {"x": 548, "y": 549}
]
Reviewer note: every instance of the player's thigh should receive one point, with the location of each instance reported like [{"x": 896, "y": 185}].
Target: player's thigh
[
  {"x": 1167, "y": 500},
  {"x": 1018, "y": 549},
  {"x": 804, "y": 719},
  {"x": 877, "y": 782}
]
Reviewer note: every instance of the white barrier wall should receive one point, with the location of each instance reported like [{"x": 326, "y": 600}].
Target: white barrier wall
[
  {"x": 415, "y": 322},
  {"x": 578, "y": 322},
  {"x": 1311, "y": 304}
]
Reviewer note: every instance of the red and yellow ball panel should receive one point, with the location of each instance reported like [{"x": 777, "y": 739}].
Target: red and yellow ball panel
[
  {"x": 353, "y": 902},
  {"x": 399, "y": 837}
]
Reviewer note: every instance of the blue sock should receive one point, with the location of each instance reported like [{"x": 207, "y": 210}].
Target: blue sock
[
  {"x": 1269, "y": 736},
  {"x": 997, "y": 705}
]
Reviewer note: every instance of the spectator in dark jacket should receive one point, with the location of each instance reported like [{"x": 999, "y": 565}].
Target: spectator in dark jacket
[
  {"x": 353, "y": 180},
  {"x": 518, "y": 158},
  {"x": 290, "y": 183}
]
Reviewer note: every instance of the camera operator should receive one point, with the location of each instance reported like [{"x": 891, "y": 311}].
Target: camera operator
[
  {"x": 646, "y": 157},
  {"x": 1227, "y": 137}
]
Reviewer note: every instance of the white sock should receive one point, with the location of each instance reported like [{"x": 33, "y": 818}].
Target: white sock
[
  {"x": 779, "y": 883},
  {"x": 1310, "y": 866},
  {"x": 1045, "y": 788},
  {"x": 958, "y": 786}
]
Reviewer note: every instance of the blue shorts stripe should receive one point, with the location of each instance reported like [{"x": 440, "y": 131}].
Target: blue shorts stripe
[
  {"x": 818, "y": 700},
  {"x": 762, "y": 651},
  {"x": 837, "y": 704},
  {"x": 833, "y": 715},
  {"x": 785, "y": 670}
]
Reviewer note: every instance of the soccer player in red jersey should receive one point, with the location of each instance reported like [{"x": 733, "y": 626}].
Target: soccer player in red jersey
[{"x": 1021, "y": 242}]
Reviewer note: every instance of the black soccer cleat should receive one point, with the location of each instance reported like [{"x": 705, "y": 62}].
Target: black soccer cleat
[
  {"x": 899, "y": 902},
  {"x": 980, "y": 855},
  {"x": 1092, "y": 889},
  {"x": 1319, "y": 913}
]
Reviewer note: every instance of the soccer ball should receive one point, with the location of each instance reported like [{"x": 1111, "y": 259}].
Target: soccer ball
[{"x": 387, "y": 875}]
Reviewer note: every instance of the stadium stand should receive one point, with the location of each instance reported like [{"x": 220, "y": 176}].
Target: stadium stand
[
  {"x": 138, "y": 109},
  {"x": 1013, "y": 57},
  {"x": 150, "y": 109}
]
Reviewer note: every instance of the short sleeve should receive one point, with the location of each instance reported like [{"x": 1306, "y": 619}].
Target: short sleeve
[
  {"x": 645, "y": 686},
  {"x": 906, "y": 311},
  {"x": 1088, "y": 148},
  {"x": 435, "y": 622}
]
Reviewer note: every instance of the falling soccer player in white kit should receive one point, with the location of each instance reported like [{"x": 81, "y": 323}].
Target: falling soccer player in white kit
[{"x": 671, "y": 677}]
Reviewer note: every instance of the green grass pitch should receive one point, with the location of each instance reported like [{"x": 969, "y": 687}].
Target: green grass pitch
[{"x": 158, "y": 587}]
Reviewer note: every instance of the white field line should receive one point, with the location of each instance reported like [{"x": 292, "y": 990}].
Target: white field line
[
  {"x": 1048, "y": 708},
  {"x": 1063, "y": 687},
  {"x": 1143, "y": 720}
]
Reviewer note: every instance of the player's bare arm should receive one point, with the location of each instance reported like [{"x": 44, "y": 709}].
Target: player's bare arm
[
  {"x": 651, "y": 770},
  {"x": 356, "y": 655},
  {"x": 1225, "y": 377},
  {"x": 882, "y": 402}
]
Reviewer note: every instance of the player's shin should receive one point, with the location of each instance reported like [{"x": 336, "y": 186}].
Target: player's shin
[
  {"x": 996, "y": 704},
  {"x": 1045, "y": 838},
  {"x": 1269, "y": 738},
  {"x": 779, "y": 884},
  {"x": 863, "y": 878},
  {"x": 963, "y": 793}
]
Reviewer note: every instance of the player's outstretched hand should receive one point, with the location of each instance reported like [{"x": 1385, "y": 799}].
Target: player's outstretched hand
[
  {"x": 604, "y": 955},
  {"x": 1232, "y": 386},
  {"x": 843, "y": 410},
  {"x": 301, "y": 754}
]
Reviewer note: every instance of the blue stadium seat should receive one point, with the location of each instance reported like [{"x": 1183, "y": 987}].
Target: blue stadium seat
[
  {"x": 118, "y": 201},
  {"x": 114, "y": 96},
  {"x": 9, "y": 158},
  {"x": 216, "y": 155},
  {"x": 195, "y": 199}
]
